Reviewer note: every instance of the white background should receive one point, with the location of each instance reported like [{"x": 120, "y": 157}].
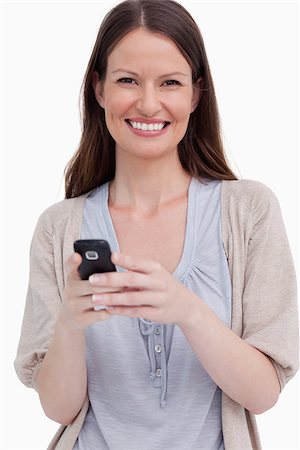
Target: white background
[{"x": 253, "y": 52}]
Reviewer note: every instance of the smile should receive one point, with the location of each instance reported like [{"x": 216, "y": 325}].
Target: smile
[{"x": 148, "y": 126}]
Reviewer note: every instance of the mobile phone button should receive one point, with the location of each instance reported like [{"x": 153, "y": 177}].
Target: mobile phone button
[{"x": 91, "y": 255}]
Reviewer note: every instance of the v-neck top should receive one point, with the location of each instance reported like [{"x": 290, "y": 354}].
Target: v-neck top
[{"x": 147, "y": 388}]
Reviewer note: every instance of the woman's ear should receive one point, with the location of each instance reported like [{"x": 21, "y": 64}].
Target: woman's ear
[
  {"x": 98, "y": 89},
  {"x": 197, "y": 93}
]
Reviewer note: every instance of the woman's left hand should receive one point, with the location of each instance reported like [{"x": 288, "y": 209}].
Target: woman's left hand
[{"x": 148, "y": 291}]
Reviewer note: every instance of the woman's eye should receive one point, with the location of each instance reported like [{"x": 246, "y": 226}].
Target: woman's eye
[
  {"x": 172, "y": 83},
  {"x": 126, "y": 80}
]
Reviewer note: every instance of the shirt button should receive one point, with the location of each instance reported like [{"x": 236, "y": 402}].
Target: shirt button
[
  {"x": 158, "y": 373},
  {"x": 157, "y": 330},
  {"x": 158, "y": 348}
]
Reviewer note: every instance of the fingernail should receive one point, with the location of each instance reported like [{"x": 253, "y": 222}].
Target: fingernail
[{"x": 94, "y": 278}]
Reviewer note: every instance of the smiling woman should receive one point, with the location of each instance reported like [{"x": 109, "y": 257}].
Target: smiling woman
[
  {"x": 196, "y": 330},
  {"x": 123, "y": 59}
]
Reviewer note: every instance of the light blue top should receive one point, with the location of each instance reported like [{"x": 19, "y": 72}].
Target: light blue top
[{"x": 147, "y": 389}]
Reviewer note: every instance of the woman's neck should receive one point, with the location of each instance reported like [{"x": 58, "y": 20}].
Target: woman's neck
[{"x": 148, "y": 186}]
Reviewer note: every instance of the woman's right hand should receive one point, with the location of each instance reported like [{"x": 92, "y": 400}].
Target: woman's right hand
[{"x": 77, "y": 311}]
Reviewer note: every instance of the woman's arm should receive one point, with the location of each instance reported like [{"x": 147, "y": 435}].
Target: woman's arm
[
  {"x": 240, "y": 370},
  {"x": 62, "y": 378},
  {"x": 51, "y": 354}
]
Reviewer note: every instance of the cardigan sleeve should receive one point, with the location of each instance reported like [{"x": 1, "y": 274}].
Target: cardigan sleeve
[
  {"x": 42, "y": 304},
  {"x": 270, "y": 316}
]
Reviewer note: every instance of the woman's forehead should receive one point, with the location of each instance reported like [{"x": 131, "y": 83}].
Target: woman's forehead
[{"x": 143, "y": 48}]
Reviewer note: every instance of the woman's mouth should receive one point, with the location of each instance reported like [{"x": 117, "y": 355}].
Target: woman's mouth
[
  {"x": 147, "y": 129},
  {"x": 147, "y": 126}
]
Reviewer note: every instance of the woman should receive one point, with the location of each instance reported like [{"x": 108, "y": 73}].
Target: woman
[{"x": 200, "y": 329}]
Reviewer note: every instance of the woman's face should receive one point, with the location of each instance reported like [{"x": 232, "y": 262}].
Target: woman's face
[{"x": 147, "y": 94}]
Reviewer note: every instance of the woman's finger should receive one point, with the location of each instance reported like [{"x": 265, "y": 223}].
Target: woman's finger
[
  {"x": 128, "y": 298},
  {"x": 73, "y": 262},
  {"x": 135, "y": 264},
  {"x": 128, "y": 279},
  {"x": 82, "y": 288},
  {"x": 147, "y": 312},
  {"x": 95, "y": 316}
]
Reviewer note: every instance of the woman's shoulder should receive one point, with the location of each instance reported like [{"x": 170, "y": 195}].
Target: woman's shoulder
[
  {"x": 252, "y": 194},
  {"x": 59, "y": 213},
  {"x": 66, "y": 205}
]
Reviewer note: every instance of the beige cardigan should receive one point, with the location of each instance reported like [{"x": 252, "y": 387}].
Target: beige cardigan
[{"x": 264, "y": 307}]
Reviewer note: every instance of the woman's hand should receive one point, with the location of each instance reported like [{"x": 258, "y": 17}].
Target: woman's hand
[
  {"x": 77, "y": 310},
  {"x": 145, "y": 290}
]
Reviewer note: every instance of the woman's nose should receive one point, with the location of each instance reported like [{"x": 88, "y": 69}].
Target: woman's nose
[{"x": 148, "y": 102}]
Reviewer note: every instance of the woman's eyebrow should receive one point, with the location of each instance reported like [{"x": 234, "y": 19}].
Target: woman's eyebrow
[{"x": 161, "y": 76}]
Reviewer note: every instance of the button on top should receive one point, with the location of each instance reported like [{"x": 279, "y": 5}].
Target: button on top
[
  {"x": 158, "y": 348},
  {"x": 157, "y": 330}
]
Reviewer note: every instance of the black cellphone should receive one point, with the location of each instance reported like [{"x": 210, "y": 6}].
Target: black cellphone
[{"x": 96, "y": 255}]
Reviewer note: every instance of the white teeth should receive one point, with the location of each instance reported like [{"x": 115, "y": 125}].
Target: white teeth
[{"x": 147, "y": 126}]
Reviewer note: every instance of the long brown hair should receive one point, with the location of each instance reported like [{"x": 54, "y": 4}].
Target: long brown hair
[{"x": 200, "y": 151}]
